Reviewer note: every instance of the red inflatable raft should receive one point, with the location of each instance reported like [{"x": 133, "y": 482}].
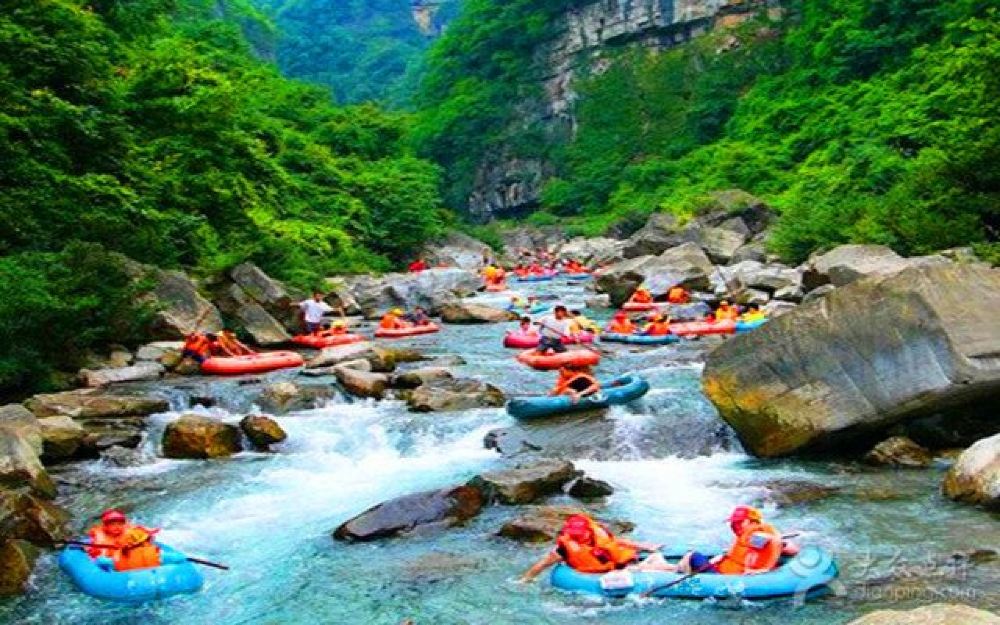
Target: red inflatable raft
[
  {"x": 329, "y": 340},
  {"x": 519, "y": 340},
  {"x": 703, "y": 328},
  {"x": 401, "y": 333},
  {"x": 496, "y": 288},
  {"x": 254, "y": 363},
  {"x": 548, "y": 362}
]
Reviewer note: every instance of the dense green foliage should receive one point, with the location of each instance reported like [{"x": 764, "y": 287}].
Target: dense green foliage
[
  {"x": 363, "y": 50},
  {"x": 860, "y": 121},
  {"x": 149, "y": 127}
]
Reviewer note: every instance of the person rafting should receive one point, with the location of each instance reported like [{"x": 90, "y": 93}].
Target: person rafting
[
  {"x": 753, "y": 314},
  {"x": 337, "y": 328},
  {"x": 393, "y": 320},
  {"x": 228, "y": 345},
  {"x": 576, "y": 381},
  {"x": 119, "y": 545},
  {"x": 584, "y": 324},
  {"x": 726, "y": 312},
  {"x": 553, "y": 328},
  {"x": 199, "y": 346},
  {"x": 418, "y": 317},
  {"x": 418, "y": 265},
  {"x": 589, "y": 547},
  {"x": 659, "y": 325},
  {"x": 524, "y": 327},
  {"x": 678, "y": 295},
  {"x": 757, "y": 548},
  {"x": 641, "y": 296},
  {"x": 620, "y": 324},
  {"x": 313, "y": 310}
]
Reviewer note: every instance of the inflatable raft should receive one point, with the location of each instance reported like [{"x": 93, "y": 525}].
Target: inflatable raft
[
  {"x": 520, "y": 340},
  {"x": 496, "y": 288},
  {"x": 330, "y": 340},
  {"x": 639, "y": 339},
  {"x": 402, "y": 333},
  {"x": 548, "y": 362},
  {"x": 619, "y": 391},
  {"x": 746, "y": 326},
  {"x": 637, "y": 307},
  {"x": 579, "y": 276},
  {"x": 254, "y": 363},
  {"x": 537, "y": 277},
  {"x": 174, "y": 577},
  {"x": 703, "y": 328},
  {"x": 807, "y": 574}
]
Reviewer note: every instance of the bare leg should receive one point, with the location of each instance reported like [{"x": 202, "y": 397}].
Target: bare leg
[{"x": 655, "y": 562}]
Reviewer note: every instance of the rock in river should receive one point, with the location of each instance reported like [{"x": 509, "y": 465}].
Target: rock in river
[
  {"x": 975, "y": 476},
  {"x": 17, "y": 561},
  {"x": 419, "y": 511},
  {"x": 20, "y": 466},
  {"x": 198, "y": 437},
  {"x": 94, "y": 404},
  {"x": 525, "y": 483},
  {"x": 262, "y": 431},
  {"x": 362, "y": 383},
  {"x": 901, "y": 452},
  {"x": 462, "y": 312},
  {"x": 538, "y": 524},
  {"x": 877, "y": 352},
  {"x": 447, "y": 394},
  {"x": 934, "y": 614},
  {"x": 143, "y": 371},
  {"x": 61, "y": 438},
  {"x": 25, "y": 516}
]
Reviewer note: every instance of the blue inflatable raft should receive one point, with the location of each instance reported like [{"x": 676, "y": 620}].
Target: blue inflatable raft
[
  {"x": 619, "y": 391},
  {"x": 536, "y": 278},
  {"x": 537, "y": 309},
  {"x": 746, "y": 326},
  {"x": 175, "y": 576},
  {"x": 807, "y": 574},
  {"x": 577, "y": 277},
  {"x": 640, "y": 339}
]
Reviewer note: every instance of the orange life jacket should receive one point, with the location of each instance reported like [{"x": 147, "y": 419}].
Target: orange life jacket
[
  {"x": 566, "y": 380},
  {"x": 199, "y": 344},
  {"x": 642, "y": 297},
  {"x": 729, "y": 312},
  {"x": 658, "y": 328},
  {"x": 757, "y": 548},
  {"x": 621, "y": 327},
  {"x": 390, "y": 322},
  {"x": 605, "y": 554},
  {"x": 126, "y": 558},
  {"x": 677, "y": 295}
]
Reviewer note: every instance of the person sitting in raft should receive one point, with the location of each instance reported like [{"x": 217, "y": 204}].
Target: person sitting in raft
[
  {"x": 575, "y": 382},
  {"x": 620, "y": 324},
  {"x": 313, "y": 310},
  {"x": 583, "y": 324},
  {"x": 726, "y": 312},
  {"x": 337, "y": 328},
  {"x": 121, "y": 546},
  {"x": 678, "y": 295},
  {"x": 525, "y": 329},
  {"x": 418, "y": 265},
  {"x": 659, "y": 325},
  {"x": 757, "y": 549},
  {"x": 553, "y": 328},
  {"x": 393, "y": 320},
  {"x": 641, "y": 296},
  {"x": 228, "y": 345},
  {"x": 753, "y": 314},
  {"x": 535, "y": 269},
  {"x": 418, "y": 317},
  {"x": 199, "y": 346},
  {"x": 520, "y": 270},
  {"x": 589, "y": 547}
]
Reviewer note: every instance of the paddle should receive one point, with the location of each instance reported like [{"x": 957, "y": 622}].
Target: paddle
[
  {"x": 80, "y": 543},
  {"x": 698, "y": 572}
]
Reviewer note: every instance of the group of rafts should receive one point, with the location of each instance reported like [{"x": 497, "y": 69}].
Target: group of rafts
[{"x": 589, "y": 558}]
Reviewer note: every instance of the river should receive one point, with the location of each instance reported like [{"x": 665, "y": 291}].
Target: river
[{"x": 676, "y": 468}]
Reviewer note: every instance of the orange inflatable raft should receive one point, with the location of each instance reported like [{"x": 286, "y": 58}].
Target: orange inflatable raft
[
  {"x": 329, "y": 340},
  {"x": 401, "y": 333},
  {"x": 548, "y": 362},
  {"x": 703, "y": 328},
  {"x": 254, "y": 363}
]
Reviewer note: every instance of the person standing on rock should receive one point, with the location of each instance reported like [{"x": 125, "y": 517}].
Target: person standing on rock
[{"x": 312, "y": 312}]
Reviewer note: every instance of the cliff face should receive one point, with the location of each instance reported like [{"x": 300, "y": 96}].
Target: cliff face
[{"x": 509, "y": 185}]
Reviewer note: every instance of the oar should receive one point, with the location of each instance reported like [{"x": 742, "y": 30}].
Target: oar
[
  {"x": 80, "y": 543},
  {"x": 698, "y": 572}
]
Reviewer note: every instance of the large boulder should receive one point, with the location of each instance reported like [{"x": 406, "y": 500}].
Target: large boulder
[
  {"x": 62, "y": 438},
  {"x": 331, "y": 356},
  {"x": 262, "y": 328},
  {"x": 934, "y": 614},
  {"x": 282, "y": 397},
  {"x": 975, "y": 476},
  {"x": 465, "y": 312},
  {"x": 412, "y": 513},
  {"x": 541, "y": 524},
  {"x": 517, "y": 241},
  {"x": 167, "y": 353},
  {"x": 273, "y": 296},
  {"x": 755, "y": 275},
  {"x": 362, "y": 383},
  {"x": 900, "y": 452},
  {"x": 262, "y": 431},
  {"x": 430, "y": 289},
  {"x": 141, "y": 372},
  {"x": 869, "y": 355},
  {"x": 180, "y": 308},
  {"x": 721, "y": 244},
  {"x": 17, "y": 561},
  {"x": 28, "y": 517},
  {"x": 449, "y": 395},
  {"x": 685, "y": 264},
  {"x": 657, "y": 236},
  {"x": 20, "y": 466},
  {"x": 94, "y": 404},
  {"x": 592, "y": 252},
  {"x": 16, "y": 420},
  {"x": 525, "y": 483},
  {"x": 847, "y": 263},
  {"x": 197, "y": 437},
  {"x": 458, "y": 250},
  {"x": 418, "y": 377}
]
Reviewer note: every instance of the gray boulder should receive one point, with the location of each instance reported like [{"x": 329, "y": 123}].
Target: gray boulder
[
  {"x": 362, "y": 383},
  {"x": 900, "y": 452},
  {"x": 263, "y": 329},
  {"x": 418, "y": 377},
  {"x": 20, "y": 466},
  {"x": 18, "y": 421},
  {"x": 525, "y": 483},
  {"x": 657, "y": 236},
  {"x": 877, "y": 352},
  {"x": 180, "y": 308},
  {"x": 458, "y": 250},
  {"x": 588, "y": 488},
  {"x": 160, "y": 351},
  {"x": 721, "y": 244},
  {"x": 975, "y": 476},
  {"x": 283, "y": 397},
  {"x": 541, "y": 524},
  {"x": 94, "y": 404},
  {"x": 436, "y": 509},
  {"x": 430, "y": 289},
  {"x": 934, "y": 614},
  {"x": 468, "y": 313},
  {"x": 592, "y": 251},
  {"x": 330, "y": 356},
  {"x": 847, "y": 263},
  {"x": 262, "y": 431},
  {"x": 62, "y": 438},
  {"x": 755, "y": 251},
  {"x": 26, "y": 516},
  {"x": 686, "y": 265},
  {"x": 141, "y": 372},
  {"x": 449, "y": 395},
  {"x": 272, "y": 295},
  {"x": 197, "y": 437}
]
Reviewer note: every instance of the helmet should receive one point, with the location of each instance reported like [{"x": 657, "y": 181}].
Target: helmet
[
  {"x": 745, "y": 513},
  {"x": 577, "y": 527},
  {"x": 111, "y": 516},
  {"x": 397, "y": 311}
]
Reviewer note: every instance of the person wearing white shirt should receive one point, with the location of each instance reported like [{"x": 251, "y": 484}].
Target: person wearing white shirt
[
  {"x": 313, "y": 311},
  {"x": 553, "y": 328}
]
